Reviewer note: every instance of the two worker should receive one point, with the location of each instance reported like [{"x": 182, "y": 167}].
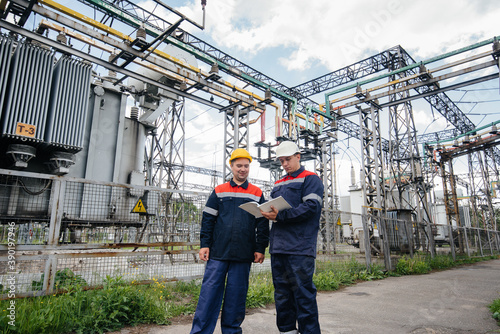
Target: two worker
[{"x": 231, "y": 239}]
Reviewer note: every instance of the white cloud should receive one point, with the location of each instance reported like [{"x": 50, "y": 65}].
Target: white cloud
[
  {"x": 427, "y": 122},
  {"x": 337, "y": 33}
]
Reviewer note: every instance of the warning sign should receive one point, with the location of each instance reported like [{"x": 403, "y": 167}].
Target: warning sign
[
  {"x": 139, "y": 207},
  {"x": 495, "y": 187}
]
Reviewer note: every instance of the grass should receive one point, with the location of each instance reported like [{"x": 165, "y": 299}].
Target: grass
[
  {"x": 120, "y": 304},
  {"x": 421, "y": 264},
  {"x": 114, "y": 306},
  {"x": 260, "y": 291},
  {"x": 495, "y": 310}
]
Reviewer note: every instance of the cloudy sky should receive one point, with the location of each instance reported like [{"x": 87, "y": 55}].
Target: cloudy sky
[{"x": 294, "y": 41}]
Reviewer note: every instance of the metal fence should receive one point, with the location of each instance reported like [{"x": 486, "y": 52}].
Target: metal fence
[
  {"x": 55, "y": 230},
  {"x": 386, "y": 235}
]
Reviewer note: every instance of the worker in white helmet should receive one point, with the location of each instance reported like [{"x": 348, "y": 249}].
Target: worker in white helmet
[
  {"x": 293, "y": 241},
  {"x": 230, "y": 240}
]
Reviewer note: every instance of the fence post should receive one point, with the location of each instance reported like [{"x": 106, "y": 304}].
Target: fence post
[
  {"x": 384, "y": 237},
  {"x": 409, "y": 234},
  {"x": 466, "y": 241},
  {"x": 452, "y": 241},
  {"x": 366, "y": 237},
  {"x": 431, "y": 243},
  {"x": 49, "y": 276},
  {"x": 56, "y": 212},
  {"x": 480, "y": 242},
  {"x": 489, "y": 241},
  {"x": 497, "y": 237}
]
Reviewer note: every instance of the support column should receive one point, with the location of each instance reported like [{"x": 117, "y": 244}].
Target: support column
[{"x": 236, "y": 135}]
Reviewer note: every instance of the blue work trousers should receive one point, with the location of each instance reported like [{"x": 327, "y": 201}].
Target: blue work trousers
[
  {"x": 222, "y": 278},
  {"x": 295, "y": 293}
]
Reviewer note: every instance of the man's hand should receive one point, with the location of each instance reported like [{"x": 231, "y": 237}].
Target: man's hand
[
  {"x": 204, "y": 252},
  {"x": 258, "y": 257},
  {"x": 270, "y": 215}
]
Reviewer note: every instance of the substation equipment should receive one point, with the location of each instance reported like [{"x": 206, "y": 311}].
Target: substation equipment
[{"x": 67, "y": 134}]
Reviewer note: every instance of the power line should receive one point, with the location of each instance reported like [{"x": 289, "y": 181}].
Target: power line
[
  {"x": 478, "y": 101},
  {"x": 474, "y": 90},
  {"x": 199, "y": 133},
  {"x": 189, "y": 120}
]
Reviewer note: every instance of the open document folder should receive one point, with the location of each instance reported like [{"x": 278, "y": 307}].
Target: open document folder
[{"x": 254, "y": 208}]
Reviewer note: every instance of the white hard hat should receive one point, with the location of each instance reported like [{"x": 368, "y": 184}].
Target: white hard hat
[{"x": 286, "y": 149}]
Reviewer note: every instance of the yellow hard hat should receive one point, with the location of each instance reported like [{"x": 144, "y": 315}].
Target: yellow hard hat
[{"x": 240, "y": 153}]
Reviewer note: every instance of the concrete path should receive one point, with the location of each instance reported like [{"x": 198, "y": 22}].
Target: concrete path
[{"x": 453, "y": 301}]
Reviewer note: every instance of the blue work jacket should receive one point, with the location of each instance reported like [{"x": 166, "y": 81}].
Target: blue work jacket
[
  {"x": 295, "y": 230},
  {"x": 231, "y": 233}
]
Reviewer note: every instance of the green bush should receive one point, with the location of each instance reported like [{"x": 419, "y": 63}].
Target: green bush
[
  {"x": 115, "y": 305},
  {"x": 351, "y": 266},
  {"x": 412, "y": 266},
  {"x": 64, "y": 279},
  {"x": 441, "y": 262},
  {"x": 330, "y": 276},
  {"x": 374, "y": 274},
  {"x": 495, "y": 309},
  {"x": 260, "y": 291},
  {"x": 326, "y": 281}
]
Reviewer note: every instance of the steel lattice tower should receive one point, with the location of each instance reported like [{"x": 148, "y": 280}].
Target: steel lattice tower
[
  {"x": 405, "y": 166},
  {"x": 482, "y": 207},
  {"x": 236, "y": 135}
]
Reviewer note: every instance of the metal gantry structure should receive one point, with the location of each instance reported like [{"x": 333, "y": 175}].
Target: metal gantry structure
[
  {"x": 124, "y": 37},
  {"x": 404, "y": 160}
]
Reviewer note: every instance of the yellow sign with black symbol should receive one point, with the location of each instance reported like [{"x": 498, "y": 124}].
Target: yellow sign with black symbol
[
  {"x": 495, "y": 188},
  {"x": 139, "y": 207},
  {"x": 25, "y": 130}
]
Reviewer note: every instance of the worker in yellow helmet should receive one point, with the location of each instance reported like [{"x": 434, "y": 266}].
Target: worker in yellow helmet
[
  {"x": 230, "y": 240},
  {"x": 238, "y": 160}
]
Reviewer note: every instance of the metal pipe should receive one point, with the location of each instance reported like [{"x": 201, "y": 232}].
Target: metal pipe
[
  {"x": 409, "y": 67},
  {"x": 85, "y": 102},
  {"x": 55, "y": 98},
  {"x": 182, "y": 15},
  {"x": 413, "y": 76},
  {"x": 45, "y": 83},
  {"x": 77, "y": 101},
  {"x": 52, "y": 118},
  {"x": 82, "y": 88},
  {"x": 423, "y": 83},
  {"x": 98, "y": 61},
  {"x": 154, "y": 31},
  {"x": 32, "y": 97},
  {"x": 67, "y": 105},
  {"x": 5, "y": 62},
  {"x": 157, "y": 64},
  {"x": 14, "y": 87},
  {"x": 68, "y": 93},
  {"x": 203, "y": 4}
]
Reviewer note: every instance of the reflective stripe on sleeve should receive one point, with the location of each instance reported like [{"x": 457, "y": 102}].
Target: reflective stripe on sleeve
[
  {"x": 312, "y": 196},
  {"x": 211, "y": 211}
]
